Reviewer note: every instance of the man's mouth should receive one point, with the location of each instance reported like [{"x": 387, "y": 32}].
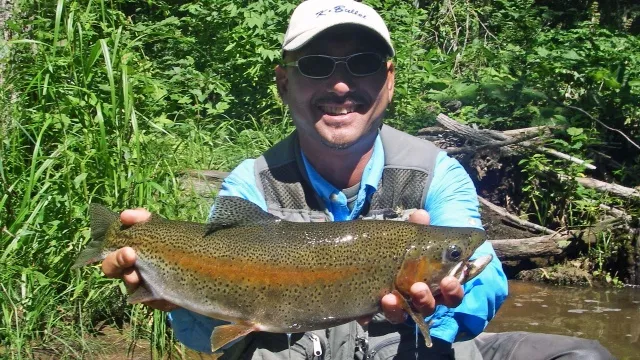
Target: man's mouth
[{"x": 338, "y": 109}]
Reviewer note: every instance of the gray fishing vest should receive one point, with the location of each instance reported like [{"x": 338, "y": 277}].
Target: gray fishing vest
[
  {"x": 408, "y": 165},
  {"x": 282, "y": 180}
]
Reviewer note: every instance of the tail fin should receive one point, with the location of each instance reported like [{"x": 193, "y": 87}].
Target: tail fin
[{"x": 101, "y": 220}]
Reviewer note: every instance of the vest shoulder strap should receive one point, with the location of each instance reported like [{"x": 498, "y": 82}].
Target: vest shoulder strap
[{"x": 408, "y": 169}]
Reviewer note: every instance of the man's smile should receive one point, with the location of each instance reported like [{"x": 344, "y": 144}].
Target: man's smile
[{"x": 337, "y": 109}]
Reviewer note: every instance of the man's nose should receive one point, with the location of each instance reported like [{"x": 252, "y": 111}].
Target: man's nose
[{"x": 341, "y": 80}]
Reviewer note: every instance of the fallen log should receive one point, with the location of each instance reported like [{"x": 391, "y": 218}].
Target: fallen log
[
  {"x": 524, "y": 223},
  {"x": 606, "y": 187},
  {"x": 540, "y": 246},
  {"x": 485, "y": 137},
  {"x": 467, "y": 131},
  {"x": 471, "y": 149},
  {"x": 615, "y": 212},
  {"x": 205, "y": 183},
  {"x": 540, "y": 130}
]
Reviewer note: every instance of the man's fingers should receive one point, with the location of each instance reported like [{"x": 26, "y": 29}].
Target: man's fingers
[
  {"x": 134, "y": 216},
  {"x": 451, "y": 292},
  {"x": 131, "y": 279},
  {"x": 392, "y": 309},
  {"x": 420, "y": 217},
  {"x": 422, "y": 298},
  {"x": 117, "y": 262}
]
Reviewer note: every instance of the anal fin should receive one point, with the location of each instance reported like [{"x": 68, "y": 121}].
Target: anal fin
[
  {"x": 417, "y": 318},
  {"x": 225, "y": 334}
]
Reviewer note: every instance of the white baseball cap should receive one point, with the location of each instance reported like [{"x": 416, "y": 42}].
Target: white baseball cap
[{"x": 312, "y": 17}]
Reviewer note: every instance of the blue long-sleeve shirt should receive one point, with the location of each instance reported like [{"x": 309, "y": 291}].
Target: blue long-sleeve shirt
[{"x": 451, "y": 201}]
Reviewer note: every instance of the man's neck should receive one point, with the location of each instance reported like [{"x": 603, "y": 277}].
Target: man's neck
[{"x": 342, "y": 168}]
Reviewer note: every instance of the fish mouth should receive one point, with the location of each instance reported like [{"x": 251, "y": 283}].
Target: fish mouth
[{"x": 469, "y": 269}]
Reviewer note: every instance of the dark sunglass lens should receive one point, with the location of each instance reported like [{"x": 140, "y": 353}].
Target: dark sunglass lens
[
  {"x": 364, "y": 64},
  {"x": 315, "y": 66}
]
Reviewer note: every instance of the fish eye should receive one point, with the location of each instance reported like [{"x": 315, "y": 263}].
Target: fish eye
[{"x": 454, "y": 252}]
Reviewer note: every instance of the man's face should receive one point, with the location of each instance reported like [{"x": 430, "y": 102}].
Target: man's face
[{"x": 339, "y": 110}]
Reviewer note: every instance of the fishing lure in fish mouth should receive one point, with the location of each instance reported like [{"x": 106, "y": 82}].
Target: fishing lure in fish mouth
[{"x": 469, "y": 269}]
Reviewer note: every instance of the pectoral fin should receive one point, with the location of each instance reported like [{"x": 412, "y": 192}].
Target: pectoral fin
[
  {"x": 225, "y": 334},
  {"x": 140, "y": 295},
  {"x": 417, "y": 318}
]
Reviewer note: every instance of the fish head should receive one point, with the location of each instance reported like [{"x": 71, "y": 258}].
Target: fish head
[
  {"x": 438, "y": 252},
  {"x": 459, "y": 244}
]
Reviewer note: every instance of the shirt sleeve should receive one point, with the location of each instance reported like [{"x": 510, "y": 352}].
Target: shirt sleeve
[
  {"x": 452, "y": 201},
  {"x": 192, "y": 329}
]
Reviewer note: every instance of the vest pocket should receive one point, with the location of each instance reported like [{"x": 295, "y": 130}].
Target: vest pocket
[
  {"x": 394, "y": 348},
  {"x": 401, "y": 345},
  {"x": 270, "y": 346}
]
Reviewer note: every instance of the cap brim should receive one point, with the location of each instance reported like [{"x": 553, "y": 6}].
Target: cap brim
[{"x": 302, "y": 39}]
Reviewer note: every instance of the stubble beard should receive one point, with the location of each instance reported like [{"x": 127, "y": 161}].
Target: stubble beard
[{"x": 336, "y": 145}]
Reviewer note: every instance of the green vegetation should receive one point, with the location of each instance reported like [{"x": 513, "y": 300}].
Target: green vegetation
[{"x": 109, "y": 101}]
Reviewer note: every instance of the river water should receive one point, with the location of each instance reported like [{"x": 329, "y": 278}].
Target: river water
[{"x": 611, "y": 316}]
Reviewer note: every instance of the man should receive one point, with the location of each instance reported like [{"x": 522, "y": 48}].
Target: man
[{"x": 341, "y": 164}]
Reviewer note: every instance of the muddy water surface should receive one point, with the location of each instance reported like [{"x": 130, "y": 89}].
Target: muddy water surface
[{"x": 611, "y": 316}]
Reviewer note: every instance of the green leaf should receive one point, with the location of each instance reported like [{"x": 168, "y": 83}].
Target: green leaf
[
  {"x": 157, "y": 186},
  {"x": 79, "y": 179},
  {"x": 463, "y": 90},
  {"x": 574, "y": 131},
  {"x": 571, "y": 55},
  {"x": 534, "y": 94},
  {"x": 542, "y": 51}
]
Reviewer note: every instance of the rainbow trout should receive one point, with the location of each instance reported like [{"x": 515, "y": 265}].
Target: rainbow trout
[{"x": 262, "y": 273}]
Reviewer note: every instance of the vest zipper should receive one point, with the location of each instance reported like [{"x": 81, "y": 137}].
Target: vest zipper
[
  {"x": 317, "y": 346},
  {"x": 362, "y": 345},
  {"x": 362, "y": 341}
]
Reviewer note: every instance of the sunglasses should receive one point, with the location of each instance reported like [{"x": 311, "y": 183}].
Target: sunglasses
[{"x": 323, "y": 66}]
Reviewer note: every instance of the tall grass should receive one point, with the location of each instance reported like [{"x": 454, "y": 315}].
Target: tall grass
[{"x": 85, "y": 120}]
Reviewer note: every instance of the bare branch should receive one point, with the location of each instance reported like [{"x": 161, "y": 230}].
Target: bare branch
[{"x": 601, "y": 123}]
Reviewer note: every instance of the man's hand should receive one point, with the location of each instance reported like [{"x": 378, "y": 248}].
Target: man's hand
[
  {"x": 119, "y": 264},
  {"x": 422, "y": 299}
]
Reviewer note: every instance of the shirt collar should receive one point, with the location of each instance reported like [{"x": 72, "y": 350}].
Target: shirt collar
[{"x": 370, "y": 177}]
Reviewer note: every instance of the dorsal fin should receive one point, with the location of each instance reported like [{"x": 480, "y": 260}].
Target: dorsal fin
[{"x": 232, "y": 211}]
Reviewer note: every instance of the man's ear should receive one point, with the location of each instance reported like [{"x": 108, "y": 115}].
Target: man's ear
[
  {"x": 282, "y": 82},
  {"x": 391, "y": 79}
]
